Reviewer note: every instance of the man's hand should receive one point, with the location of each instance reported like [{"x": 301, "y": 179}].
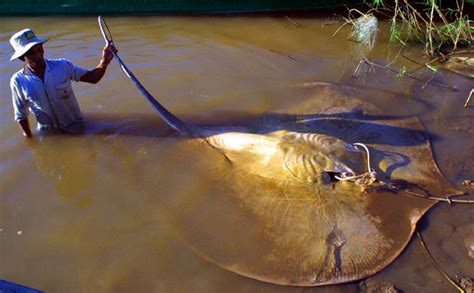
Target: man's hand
[
  {"x": 107, "y": 53},
  {"x": 96, "y": 74}
]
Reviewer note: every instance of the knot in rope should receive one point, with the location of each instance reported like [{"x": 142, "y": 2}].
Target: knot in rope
[{"x": 363, "y": 180}]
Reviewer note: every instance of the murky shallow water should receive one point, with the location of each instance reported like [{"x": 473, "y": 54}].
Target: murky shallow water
[{"x": 96, "y": 212}]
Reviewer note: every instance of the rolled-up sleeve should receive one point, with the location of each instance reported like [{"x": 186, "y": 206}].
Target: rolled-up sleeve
[
  {"x": 75, "y": 72},
  {"x": 20, "y": 104}
]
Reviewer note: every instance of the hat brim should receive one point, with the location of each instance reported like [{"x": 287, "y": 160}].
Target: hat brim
[{"x": 26, "y": 48}]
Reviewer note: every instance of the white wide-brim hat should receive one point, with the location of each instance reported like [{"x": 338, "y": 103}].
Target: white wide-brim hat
[{"x": 22, "y": 41}]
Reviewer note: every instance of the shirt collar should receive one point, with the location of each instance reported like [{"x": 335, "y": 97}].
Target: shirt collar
[{"x": 49, "y": 67}]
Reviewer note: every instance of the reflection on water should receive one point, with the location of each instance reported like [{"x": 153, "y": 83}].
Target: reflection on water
[
  {"x": 71, "y": 170},
  {"x": 98, "y": 211}
]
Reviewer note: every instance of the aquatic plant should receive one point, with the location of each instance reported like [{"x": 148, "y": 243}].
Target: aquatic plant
[{"x": 441, "y": 29}]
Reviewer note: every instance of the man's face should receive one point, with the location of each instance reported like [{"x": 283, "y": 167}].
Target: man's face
[{"x": 35, "y": 56}]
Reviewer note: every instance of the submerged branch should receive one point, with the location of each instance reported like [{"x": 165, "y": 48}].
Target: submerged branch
[
  {"x": 292, "y": 21},
  {"x": 398, "y": 72},
  {"x": 469, "y": 98}
]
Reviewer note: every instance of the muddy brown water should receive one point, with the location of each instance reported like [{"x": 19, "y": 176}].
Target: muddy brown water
[{"x": 96, "y": 212}]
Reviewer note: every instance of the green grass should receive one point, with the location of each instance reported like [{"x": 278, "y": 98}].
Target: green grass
[{"x": 439, "y": 28}]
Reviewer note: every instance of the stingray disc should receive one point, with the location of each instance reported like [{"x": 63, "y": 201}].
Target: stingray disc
[{"x": 301, "y": 233}]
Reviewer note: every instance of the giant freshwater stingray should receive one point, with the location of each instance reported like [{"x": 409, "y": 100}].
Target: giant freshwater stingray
[{"x": 347, "y": 188}]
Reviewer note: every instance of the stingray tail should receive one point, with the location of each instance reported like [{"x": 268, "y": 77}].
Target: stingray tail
[{"x": 173, "y": 121}]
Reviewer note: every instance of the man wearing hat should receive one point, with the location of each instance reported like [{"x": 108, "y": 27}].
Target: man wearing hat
[{"x": 43, "y": 86}]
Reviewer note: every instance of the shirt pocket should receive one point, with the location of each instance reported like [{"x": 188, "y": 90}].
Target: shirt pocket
[{"x": 63, "y": 89}]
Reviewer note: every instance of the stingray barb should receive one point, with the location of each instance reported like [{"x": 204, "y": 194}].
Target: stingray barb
[{"x": 299, "y": 217}]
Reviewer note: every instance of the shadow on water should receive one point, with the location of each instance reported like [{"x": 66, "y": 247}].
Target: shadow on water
[{"x": 353, "y": 126}]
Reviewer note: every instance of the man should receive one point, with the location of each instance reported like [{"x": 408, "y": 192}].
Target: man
[{"x": 43, "y": 86}]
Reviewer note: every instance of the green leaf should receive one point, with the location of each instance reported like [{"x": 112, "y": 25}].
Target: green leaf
[
  {"x": 433, "y": 68},
  {"x": 402, "y": 72}
]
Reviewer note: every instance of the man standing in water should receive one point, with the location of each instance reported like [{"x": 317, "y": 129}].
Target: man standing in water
[{"x": 43, "y": 86}]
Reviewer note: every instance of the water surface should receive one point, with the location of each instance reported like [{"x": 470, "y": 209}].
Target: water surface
[{"x": 96, "y": 212}]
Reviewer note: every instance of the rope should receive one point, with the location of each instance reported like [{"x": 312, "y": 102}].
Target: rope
[
  {"x": 440, "y": 269},
  {"x": 414, "y": 194},
  {"x": 365, "y": 179}
]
